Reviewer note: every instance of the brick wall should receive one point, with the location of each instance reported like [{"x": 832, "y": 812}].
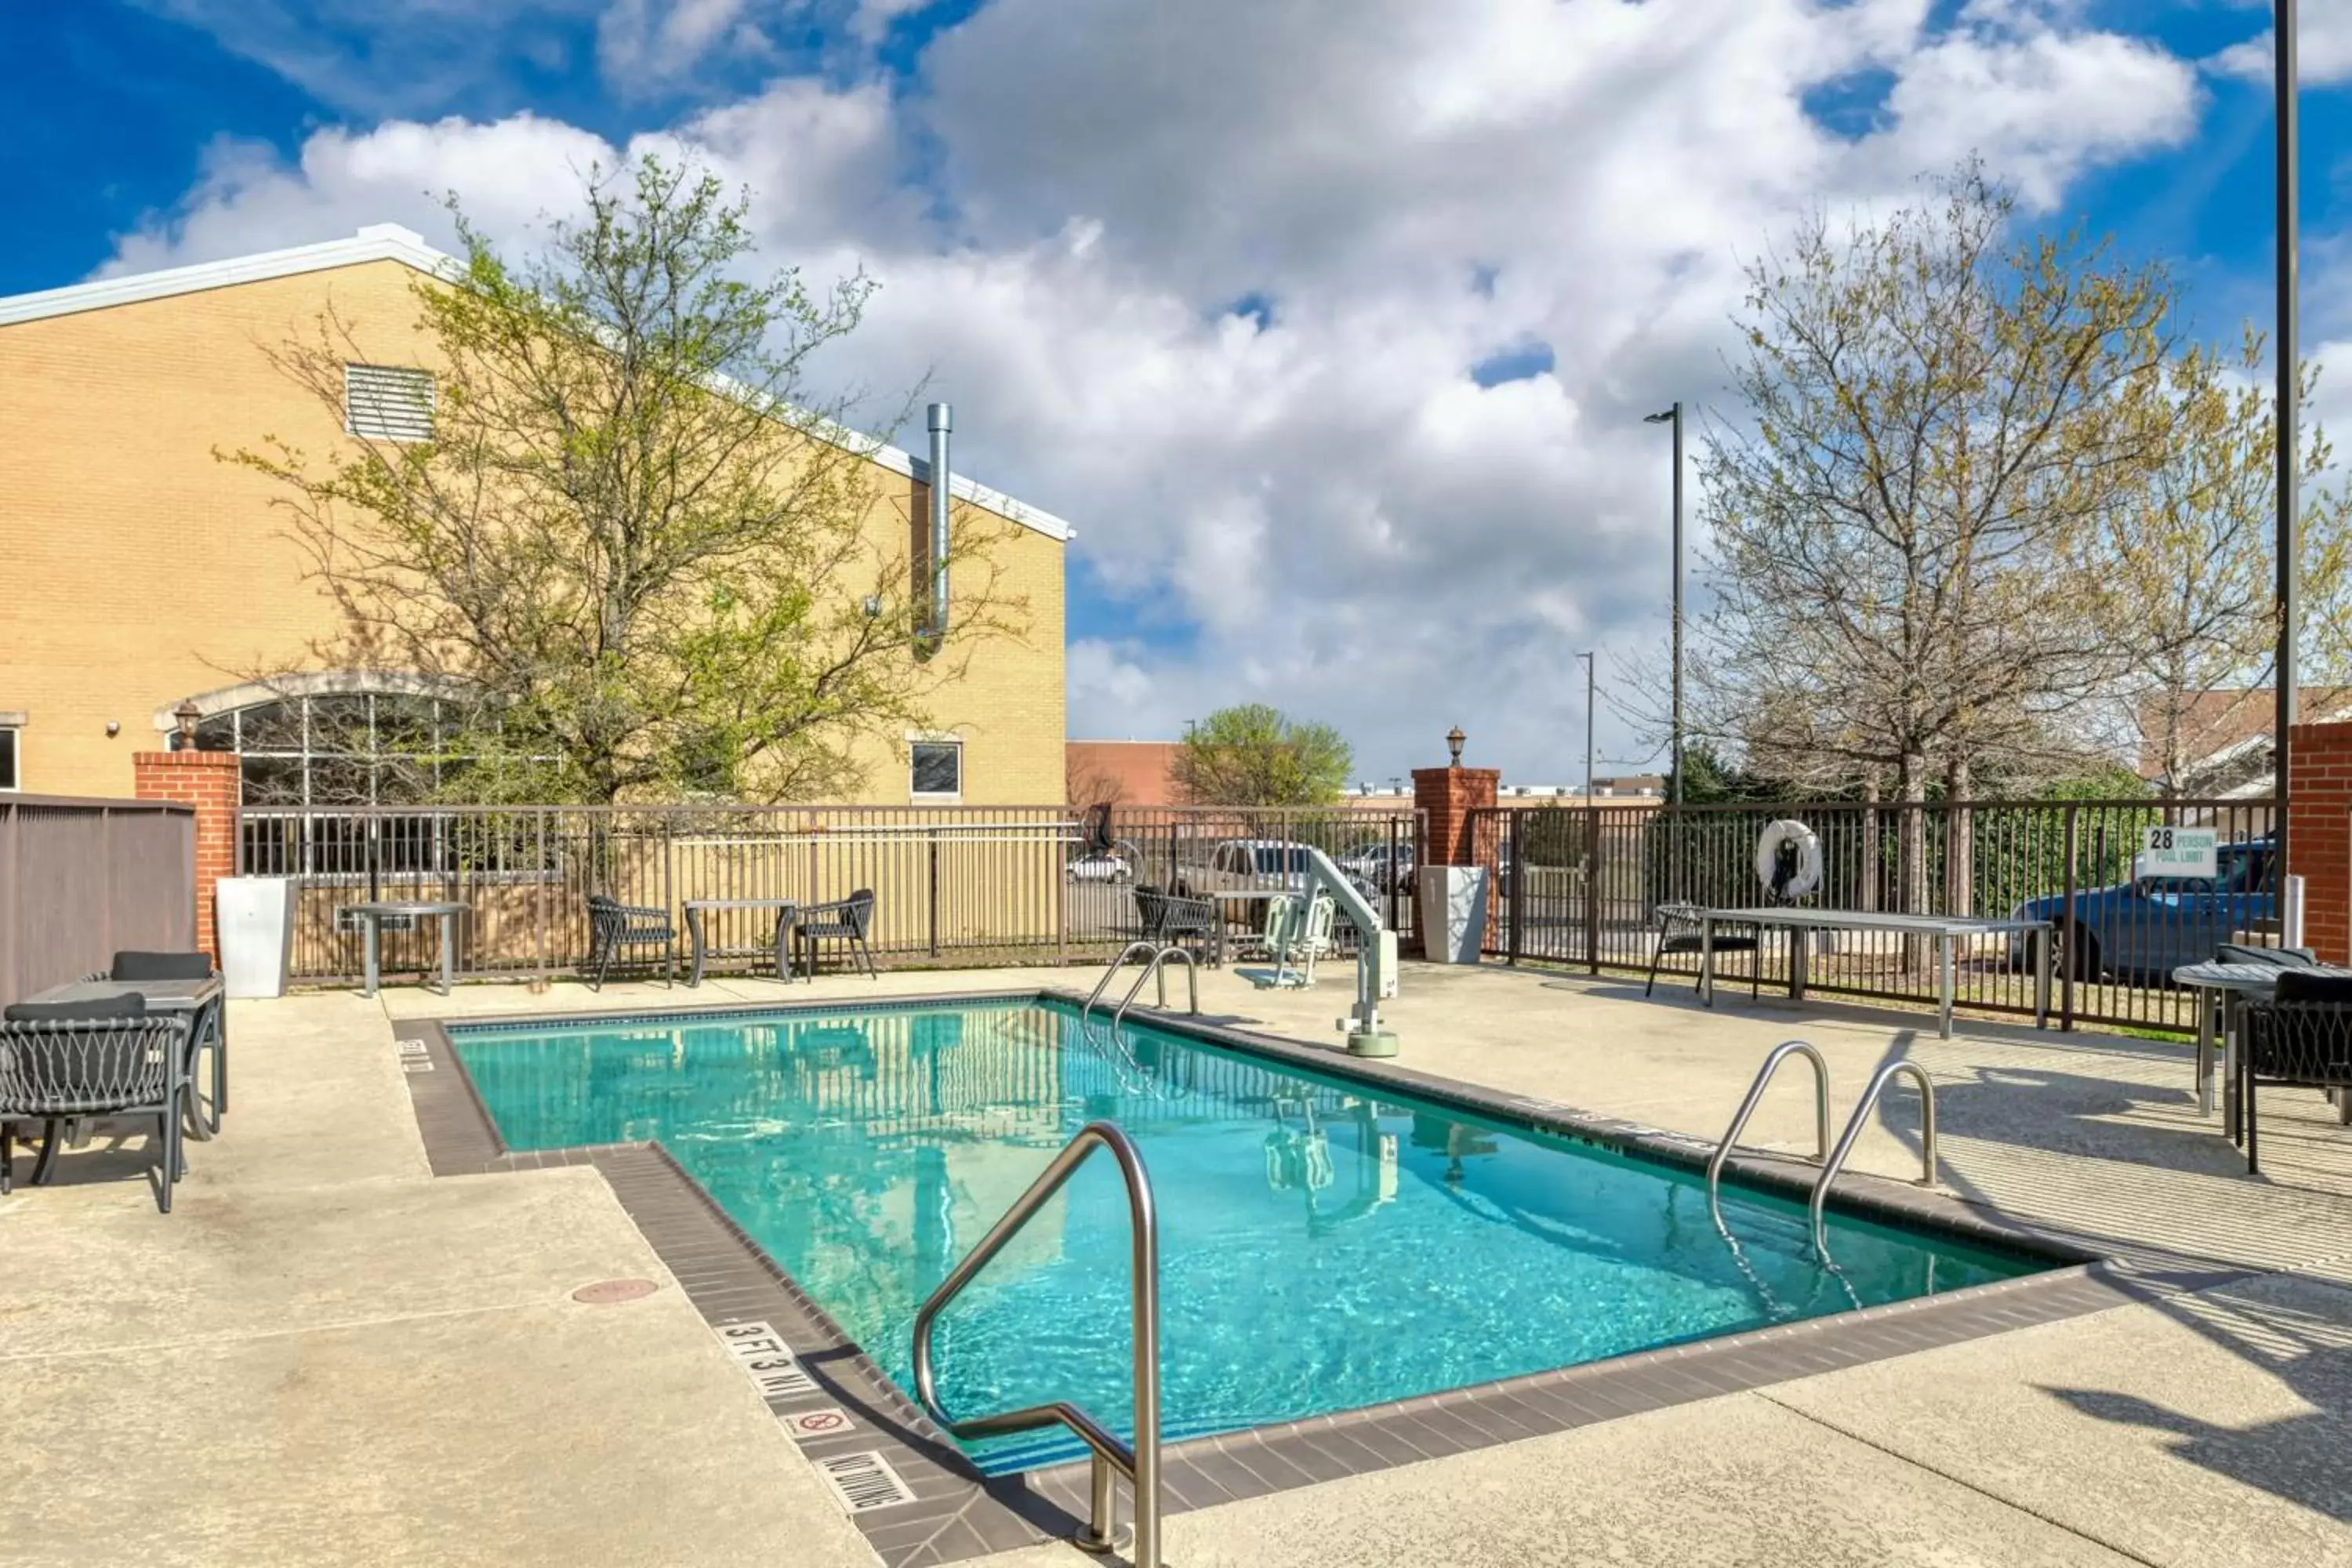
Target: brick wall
[
  {"x": 1446, "y": 797},
  {"x": 2319, "y": 836},
  {"x": 210, "y": 782}
]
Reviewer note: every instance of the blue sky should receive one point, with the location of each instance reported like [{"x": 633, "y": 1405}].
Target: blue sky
[{"x": 1328, "y": 340}]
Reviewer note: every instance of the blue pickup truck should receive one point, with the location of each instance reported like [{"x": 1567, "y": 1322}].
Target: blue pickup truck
[{"x": 2150, "y": 926}]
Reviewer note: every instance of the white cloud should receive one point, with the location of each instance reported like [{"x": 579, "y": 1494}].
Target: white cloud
[
  {"x": 1331, "y": 513},
  {"x": 2323, "y": 47}
]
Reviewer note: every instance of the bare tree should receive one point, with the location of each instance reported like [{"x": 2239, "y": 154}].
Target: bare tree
[{"x": 1938, "y": 419}]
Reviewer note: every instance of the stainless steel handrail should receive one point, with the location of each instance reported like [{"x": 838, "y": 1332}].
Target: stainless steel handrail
[
  {"x": 1158, "y": 966},
  {"x": 1141, "y": 1463},
  {"x": 1147, "y": 948},
  {"x": 1781, "y": 1053},
  {"x": 1836, "y": 1162}
]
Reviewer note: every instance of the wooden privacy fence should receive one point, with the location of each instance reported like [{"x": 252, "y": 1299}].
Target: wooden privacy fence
[
  {"x": 1582, "y": 886},
  {"x": 82, "y": 880},
  {"x": 974, "y": 884}
]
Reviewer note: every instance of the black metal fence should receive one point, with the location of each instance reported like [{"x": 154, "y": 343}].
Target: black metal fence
[
  {"x": 1582, "y": 886},
  {"x": 968, "y": 885}
]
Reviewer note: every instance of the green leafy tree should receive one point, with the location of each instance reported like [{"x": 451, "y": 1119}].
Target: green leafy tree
[
  {"x": 1255, "y": 755},
  {"x": 633, "y": 553}
]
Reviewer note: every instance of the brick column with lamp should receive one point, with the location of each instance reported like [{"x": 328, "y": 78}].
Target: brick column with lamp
[
  {"x": 212, "y": 783},
  {"x": 1444, "y": 798}
]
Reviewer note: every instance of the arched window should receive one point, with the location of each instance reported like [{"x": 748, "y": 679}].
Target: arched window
[{"x": 334, "y": 740}]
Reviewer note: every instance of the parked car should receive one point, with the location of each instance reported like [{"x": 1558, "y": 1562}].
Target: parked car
[
  {"x": 2150, "y": 926},
  {"x": 1100, "y": 865},
  {"x": 1245, "y": 865},
  {"x": 1373, "y": 866}
]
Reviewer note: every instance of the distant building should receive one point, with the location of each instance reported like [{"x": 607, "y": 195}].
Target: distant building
[
  {"x": 2225, "y": 738},
  {"x": 1126, "y": 773}
]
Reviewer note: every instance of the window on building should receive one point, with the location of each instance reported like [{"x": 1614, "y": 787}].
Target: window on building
[
  {"x": 338, "y": 748},
  {"x": 937, "y": 769},
  {"x": 8, "y": 776},
  {"x": 387, "y": 403}
]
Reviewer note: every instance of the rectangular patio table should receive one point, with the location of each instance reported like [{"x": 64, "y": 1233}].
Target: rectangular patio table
[
  {"x": 1944, "y": 929},
  {"x": 787, "y": 910},
  {"x": 200, "y": 999}
]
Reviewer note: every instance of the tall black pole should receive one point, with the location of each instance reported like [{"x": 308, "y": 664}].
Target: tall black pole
[
  {"x": 2290, "y": 398},
  {"x": 1678, "y": 604},
  {"x": 1589, "y": 684}
]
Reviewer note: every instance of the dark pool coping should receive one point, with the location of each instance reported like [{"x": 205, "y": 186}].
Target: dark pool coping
[{"x": 952, "y": 1513}]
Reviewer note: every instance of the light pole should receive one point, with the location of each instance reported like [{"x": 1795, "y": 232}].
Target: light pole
[
  {"x": 2290, "y": 398},
  {"x": 1589, "y": 685},
  {"x": 1675, "y": 416}
]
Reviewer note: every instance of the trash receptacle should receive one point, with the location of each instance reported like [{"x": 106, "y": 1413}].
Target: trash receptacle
[
  {"x": 255, "y": 918},
  {"x": 1456, "y": 897}
]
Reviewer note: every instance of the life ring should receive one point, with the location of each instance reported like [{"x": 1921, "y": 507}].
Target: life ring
[{"x": 1787, "y": 876}]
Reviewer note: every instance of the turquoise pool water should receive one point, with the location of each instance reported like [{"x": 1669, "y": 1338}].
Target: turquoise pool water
[{"x": 1325, "y": 1244}]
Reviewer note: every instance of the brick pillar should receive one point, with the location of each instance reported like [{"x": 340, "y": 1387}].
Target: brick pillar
[
  {"x": 2319, "y": 836},
  {"x": 1446, "y": 797},
  {"x": 210, "y": 782}
]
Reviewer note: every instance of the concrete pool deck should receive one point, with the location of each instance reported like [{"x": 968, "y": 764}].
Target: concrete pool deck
[{"x": 326, "y": 1354}]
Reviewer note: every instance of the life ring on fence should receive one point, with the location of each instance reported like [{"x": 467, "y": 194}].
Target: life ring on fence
[{"x": 1788, "y": 859}]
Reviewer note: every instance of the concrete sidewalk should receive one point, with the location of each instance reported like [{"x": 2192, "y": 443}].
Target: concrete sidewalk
[{"x": 325, "y": 1355}]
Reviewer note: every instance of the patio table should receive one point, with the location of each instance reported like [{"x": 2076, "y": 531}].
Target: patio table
[
  {"x": 374, "y": 915},
  {"x": 1944, "y": 929},
  {"x": 203, "y": 999},
  {"x": 2224, "y": 989},
  {"x": 787, "y": 913}
]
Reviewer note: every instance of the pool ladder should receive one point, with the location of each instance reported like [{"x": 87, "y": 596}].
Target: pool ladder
[
  {"x": 1156, "y": 964},
  {"x": 1832, "y": 1161},
  {"x": 1139, "y": 1462}
]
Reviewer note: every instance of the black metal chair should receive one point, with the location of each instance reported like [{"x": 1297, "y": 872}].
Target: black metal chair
[
  {"x": 65, "y": 1061},
  {"x": 1679, "y": 931},
  {"x": 1171, "y": 919},
  {"x": 614, "y": 925},
  {"x": 210, "y": 1027},
  {"x": 2301, "y": 1040},
  {"x": 849, "y": 920}
]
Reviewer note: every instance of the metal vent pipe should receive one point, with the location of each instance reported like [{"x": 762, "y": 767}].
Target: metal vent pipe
[{"x": 940, "y": 421}]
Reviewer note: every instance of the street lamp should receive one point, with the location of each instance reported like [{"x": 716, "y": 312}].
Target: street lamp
[
  {"x": 1675, "y": 416},
  {"x": 1589, "y": 684},
  {"x": 2290, "y": 396}
]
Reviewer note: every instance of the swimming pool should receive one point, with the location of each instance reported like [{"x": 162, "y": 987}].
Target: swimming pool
[{"x": 1326, "y": 1242}]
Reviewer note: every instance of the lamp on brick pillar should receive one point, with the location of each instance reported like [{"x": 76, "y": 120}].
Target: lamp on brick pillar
[
  {"x": 1445, "y": 799},
  {"x": 187, "y": 713}
]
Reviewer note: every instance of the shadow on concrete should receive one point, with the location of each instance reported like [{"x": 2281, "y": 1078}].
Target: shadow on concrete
[{"x": 2306, "y": 1457}]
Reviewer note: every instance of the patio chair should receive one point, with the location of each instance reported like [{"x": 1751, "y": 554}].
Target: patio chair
[
  {"x": 849, "y": 920},
  {"x": 1169, "y": 921},
  {"x": 63, "y": 1061},
  {"x": 614, "y": 925},
  {"x": 2300, "y": 1039},
  {"x": 210, "y": 1027},
  {"x": 1679, "y": 931}
]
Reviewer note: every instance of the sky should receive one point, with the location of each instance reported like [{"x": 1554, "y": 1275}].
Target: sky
[{"x": 1329, "y": 328}]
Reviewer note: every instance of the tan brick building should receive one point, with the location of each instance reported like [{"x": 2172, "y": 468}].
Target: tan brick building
[{"x": 138, "y": 571}]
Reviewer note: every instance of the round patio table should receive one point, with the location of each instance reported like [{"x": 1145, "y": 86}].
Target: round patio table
[
  {"x": 2225, "y": 988},
  {"x": 372, "y": 918}
]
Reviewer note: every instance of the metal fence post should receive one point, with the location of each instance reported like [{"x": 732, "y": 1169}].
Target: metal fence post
[
  {"x": 933, "y": 916},
  {"x": 2063, "y": 934},
  {"x": 1395, "y": 875},
  {"x": 1519, "y": 874},
  {"x": 1593, "y": 888}
]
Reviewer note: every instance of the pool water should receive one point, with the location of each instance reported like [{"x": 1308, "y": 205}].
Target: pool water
[{"x": 1326, "y": 1243}]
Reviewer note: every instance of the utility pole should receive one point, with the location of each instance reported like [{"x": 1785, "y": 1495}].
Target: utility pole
[
  {"x": 2290, "y": 398},
  {"x": 1590, "y": 679},
  {"x": 1675, "y": 416}
]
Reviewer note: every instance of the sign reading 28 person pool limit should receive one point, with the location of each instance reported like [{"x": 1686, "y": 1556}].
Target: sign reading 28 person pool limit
[{"x": 2179, "y": 852}]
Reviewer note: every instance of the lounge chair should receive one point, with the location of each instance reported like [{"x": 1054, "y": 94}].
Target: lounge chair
[
  {"x": 614, "y": 925},
  {"x": 63, "y": 1061},
  {"x": 849, "y": 920},
  {"x": 1679, "y": 931},
  {"x": 2301, "y": 1038}
]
